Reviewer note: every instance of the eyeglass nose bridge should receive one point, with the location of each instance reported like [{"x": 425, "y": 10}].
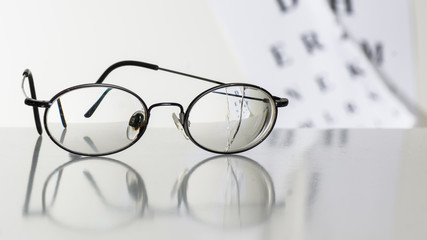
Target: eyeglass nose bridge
[
  {"x": 166, "y": 104},
  {"x": 179, "y": 121}
]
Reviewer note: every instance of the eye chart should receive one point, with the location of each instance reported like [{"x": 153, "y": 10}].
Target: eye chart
[{"x": 299, "y": 50}]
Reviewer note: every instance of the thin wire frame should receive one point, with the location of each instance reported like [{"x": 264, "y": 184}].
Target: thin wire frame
[{"x": 183, "y": 118}]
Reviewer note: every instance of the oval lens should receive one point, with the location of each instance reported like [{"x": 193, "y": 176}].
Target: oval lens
[
  {"x": 231, "y": 119},
  {"x": 96, "y": 120}
]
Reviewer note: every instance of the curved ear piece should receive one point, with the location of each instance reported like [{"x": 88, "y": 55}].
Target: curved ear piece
[
  {"x": 28, "y": 75},
  {"x": 136, "y": 122}
]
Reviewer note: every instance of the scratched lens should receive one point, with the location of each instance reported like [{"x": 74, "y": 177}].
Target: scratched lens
[
  {"x": 231, "y": 119},
  {"x": 96, "y": 120}
]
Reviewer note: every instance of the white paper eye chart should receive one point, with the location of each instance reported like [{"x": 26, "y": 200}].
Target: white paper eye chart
[
  {"x": 383, "y": 30},
  {"x": 297, "y": 49}
]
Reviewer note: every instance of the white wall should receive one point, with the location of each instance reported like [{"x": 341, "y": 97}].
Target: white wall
[{"x": 66, "y": 43}]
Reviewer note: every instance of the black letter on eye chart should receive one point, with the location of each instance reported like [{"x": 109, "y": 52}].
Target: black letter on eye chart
[
  {"x": 345, "y": 5},
  {"x": 279, "y": 55},
  {"x": 321, "y": 83},
  {"x": 375, "y": 53},
  {"x": 292, "y": 93},
  {"x": 354, "y": 70},
  {"x": 286, "y": 5},
  {"x": 350, "y": 107},
  {"x": 311, "y": 42}
]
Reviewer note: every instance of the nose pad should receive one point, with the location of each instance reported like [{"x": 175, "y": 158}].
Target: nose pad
[
  {"x": 178, "y": 123},
  {"x": 136, "y": 122}
]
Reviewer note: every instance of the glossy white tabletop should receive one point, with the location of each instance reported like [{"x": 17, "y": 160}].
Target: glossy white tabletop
[{"x": 298, "y": 184}]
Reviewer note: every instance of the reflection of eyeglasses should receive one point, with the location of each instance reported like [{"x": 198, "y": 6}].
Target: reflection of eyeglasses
[
  {"x": 100, "y": 119},
  {"x": 240, "y": 193}
]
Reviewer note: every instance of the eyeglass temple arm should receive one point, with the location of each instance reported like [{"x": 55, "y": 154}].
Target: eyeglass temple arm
[
  {"x": 149, "y": 66},
  {"x": 136, "y": 64},
  {"x": 280, "y": 102},
  {"x": 32, "y": 101}
]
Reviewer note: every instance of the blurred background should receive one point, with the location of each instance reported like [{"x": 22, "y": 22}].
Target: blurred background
[{"x": 342, "y": 63}]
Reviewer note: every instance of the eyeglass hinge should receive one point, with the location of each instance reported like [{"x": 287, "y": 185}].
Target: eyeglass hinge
[
  {"x": 37, "y": 103},
  {"x": 281, "y": 102}
]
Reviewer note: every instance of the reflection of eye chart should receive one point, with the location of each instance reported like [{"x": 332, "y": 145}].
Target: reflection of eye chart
[{"x": 297, "y": 50}]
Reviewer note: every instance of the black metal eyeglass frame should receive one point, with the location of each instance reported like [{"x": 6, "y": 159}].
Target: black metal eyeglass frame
[{"x": 183, "y": 116}]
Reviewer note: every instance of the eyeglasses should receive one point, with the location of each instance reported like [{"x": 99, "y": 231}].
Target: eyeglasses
[{"x": 100, "y": 119}]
